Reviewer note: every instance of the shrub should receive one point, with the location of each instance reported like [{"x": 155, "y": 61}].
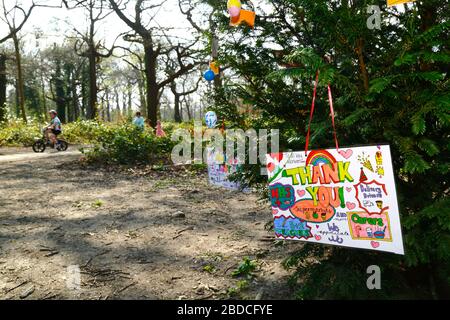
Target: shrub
[
  {"x": 84, "y": 131},
  {"x": 17, "y": 133},
  {"x": 128, "y": 144}
]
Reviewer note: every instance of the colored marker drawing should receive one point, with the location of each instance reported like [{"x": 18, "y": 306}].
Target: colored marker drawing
[
  {"x": 293, "y": 228},
  {"x": 364, "y": 226},
  {"x": 344, "y": 197}
]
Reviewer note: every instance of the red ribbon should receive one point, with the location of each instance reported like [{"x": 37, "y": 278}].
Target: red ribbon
[{"x": 330, "y": 99}]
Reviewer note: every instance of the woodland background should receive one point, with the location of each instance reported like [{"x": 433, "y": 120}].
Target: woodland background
[{"x": 390, "y": 85}]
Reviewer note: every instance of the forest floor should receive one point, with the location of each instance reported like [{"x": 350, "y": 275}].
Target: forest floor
[{"x": 133, "y": 233}]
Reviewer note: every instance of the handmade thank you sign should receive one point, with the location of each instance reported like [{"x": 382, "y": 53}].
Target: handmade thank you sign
[
  {"x": 220, "y": 168},
  {"x": 343, "y": 197}
]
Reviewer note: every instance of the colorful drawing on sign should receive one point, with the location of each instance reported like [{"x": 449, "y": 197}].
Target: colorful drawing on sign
[
  {"x": 372, "y": 191},
  {"x": 282, "y": 196},
  {"x": 288, "y": 227},
  {"x": 344, "y": 198},
  {"x": 220, "y": 168},
  {"x": 317, "y": 158},
  {"x": 364, "y": 226}
]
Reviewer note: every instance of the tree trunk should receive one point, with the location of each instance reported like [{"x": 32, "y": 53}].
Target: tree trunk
[
  {"x": 427, "y": 20},
  {"x": 44, "y": 97},
  {"x": 215, "y": 55},
  {"x": 188, "y": 109},
  {"x": 151, "y": 83},
  {"x": 84, "y": 91},
  {"x": 60, "y": 92},
  {"x": 362, "y": 64},
  {"x": 75, "y": 102},
  {"x": 92, "y": 104},
  {"x": 177, "y": 113},
  {"x": 142, "y": 100},
  {"x": 124, "y": 103},
  {"x": 2, "y": 87},
  {"x": 20, "y": 86},
  {"x": 130, "y": 99},
  {"x": 116, "y": 97},
  {"x": 108, "y": 106}
]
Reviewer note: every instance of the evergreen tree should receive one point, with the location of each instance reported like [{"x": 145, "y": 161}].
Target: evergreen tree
[{"x": 390, "y": 85}]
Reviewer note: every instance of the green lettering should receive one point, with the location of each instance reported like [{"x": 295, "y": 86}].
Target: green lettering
[
  {"x": 313, "y": 192},
  {"x": 343, "y": 171},
  {"x": 291, "y": 173}
]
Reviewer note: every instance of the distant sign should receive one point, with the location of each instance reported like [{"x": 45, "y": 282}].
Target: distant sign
[
  {"x": 219, "y": 170},
  {"x": 344, "y": 198}
]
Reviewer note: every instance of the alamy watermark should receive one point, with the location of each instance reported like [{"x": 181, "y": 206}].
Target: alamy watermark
[
  {"x": 374, "y": 280},
  {"x": 374, "y": 20}
]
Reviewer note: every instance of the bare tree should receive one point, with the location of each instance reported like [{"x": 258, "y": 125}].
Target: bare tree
[
  {"x": 10, "y": 16},
  {"x": 15, "y": 17},
  {"x": 180, "y": 93},
  {"x": 87, "y": 46},
  {"x": 187, "y": 7},
  {"x": 147, "y": 36},
  {"x": 2, "y": 86}
]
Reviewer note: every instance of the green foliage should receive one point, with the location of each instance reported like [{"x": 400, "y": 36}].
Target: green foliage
[
  {"x": 389, "y": 85},
  {"x": 245, "y": 268},
  {"x": 85, "y": 131},
  {"x": 16, "y": 133},
  {"x": 3, "y": 113},
  {"x": 209, "y": 268},
  {"x": 97, "y": 203},
  {"x": 128, "y": 144}
]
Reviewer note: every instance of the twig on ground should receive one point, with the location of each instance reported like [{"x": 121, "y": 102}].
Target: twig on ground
[
  {"x": 179, "y": 232},
  {"x": 125, "y": 288},
  {"x": 18, "y": 286}
]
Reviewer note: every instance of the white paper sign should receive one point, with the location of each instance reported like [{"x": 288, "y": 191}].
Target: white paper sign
[
  {"x": 344, "y": 197},
  {"x": 219, "y": 168}
]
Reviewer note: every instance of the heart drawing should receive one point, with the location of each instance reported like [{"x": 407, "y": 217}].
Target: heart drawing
[
  {"x": 318, "y": 238},
  {"x": 274, "y": 211},
  {"x": 350, "y": 205},
  {"x": 349, "y": 189},
  {"x": 347, "y": 153},
  {"x": 277, "y": 156},
  {"x": 301, "y": 193},
  {"x": 375, "y": 244}
]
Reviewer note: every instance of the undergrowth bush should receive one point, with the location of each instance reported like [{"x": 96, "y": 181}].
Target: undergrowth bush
[
  {"x": 16, "y": 133},
  {"x": 128, "y": 144},
  {"x": 85, "y": 131}
]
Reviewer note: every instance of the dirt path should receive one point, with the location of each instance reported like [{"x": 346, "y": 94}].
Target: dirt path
[
  {"x": 159, "y": 235},
  {"x": 25, "y": 156}
]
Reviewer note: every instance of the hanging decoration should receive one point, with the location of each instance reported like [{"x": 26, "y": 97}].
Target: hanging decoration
[
  {"x": 214, "y": 67},
  {"x": 391, "y": 3},
  {"x": 209, "y": 75},
  {"x": 211, "y": 119},
  {"x": 240, "y": 16},
  {"x": 234, "y": 8}
]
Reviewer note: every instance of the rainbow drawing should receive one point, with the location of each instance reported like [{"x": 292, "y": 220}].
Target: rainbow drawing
[{"x": 319, "y": 157}]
